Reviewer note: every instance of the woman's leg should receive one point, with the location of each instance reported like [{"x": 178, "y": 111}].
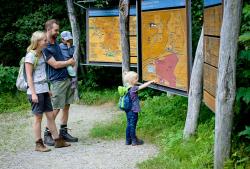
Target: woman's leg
[{"x": 37, "y": 126}]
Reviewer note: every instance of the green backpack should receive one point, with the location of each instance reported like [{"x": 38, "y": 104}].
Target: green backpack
[{"x": 125, "y": 101}]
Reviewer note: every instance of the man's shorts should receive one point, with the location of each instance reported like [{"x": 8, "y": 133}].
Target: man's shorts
[
  {"x": 62, "y": 94},
  {"x": 43, "y": 105}
]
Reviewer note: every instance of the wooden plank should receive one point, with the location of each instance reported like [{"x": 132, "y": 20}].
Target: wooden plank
[
  {"x": 213, "y": 20},
  {"x": 209, "y": 100},
  {"x": 211, "y": 50},
  {"x": 210, "y": 79}
]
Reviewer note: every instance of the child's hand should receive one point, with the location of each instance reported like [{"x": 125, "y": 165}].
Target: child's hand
[
  {"x": 153, "y": 81},
  {"x": 69, "y": 43}
]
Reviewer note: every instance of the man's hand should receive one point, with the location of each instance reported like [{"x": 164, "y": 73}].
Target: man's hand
[{"x": 71, "y": 61}]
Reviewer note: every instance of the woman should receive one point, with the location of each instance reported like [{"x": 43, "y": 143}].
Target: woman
[{"x": 38, "y": 91}]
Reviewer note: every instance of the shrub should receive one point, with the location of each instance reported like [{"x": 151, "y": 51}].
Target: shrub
[{"x": 8, "y": 77}]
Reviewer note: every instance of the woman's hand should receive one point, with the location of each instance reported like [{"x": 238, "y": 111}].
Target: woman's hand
[
  {"x": 50, "y": 93},
  {"x": 34, "y": 98}
]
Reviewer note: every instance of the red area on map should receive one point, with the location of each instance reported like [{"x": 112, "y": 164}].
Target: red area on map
[{"x": 165, "y": 69}]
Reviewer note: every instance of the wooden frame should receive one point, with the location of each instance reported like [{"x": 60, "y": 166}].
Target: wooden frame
[{"x": 187, "y": 5}]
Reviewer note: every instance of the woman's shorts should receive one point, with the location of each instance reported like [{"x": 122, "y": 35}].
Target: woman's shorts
[{"x": 43, "y": 105}]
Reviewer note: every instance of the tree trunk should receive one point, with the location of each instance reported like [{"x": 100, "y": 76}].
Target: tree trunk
[
  {"x": 195, "y": 91},
  {"x": 76, "y": 38},
  {"x": 124, "y": 30},
  {"x": 225, "y": 94}
]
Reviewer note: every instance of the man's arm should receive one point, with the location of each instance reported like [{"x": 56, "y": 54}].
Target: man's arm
[{"x": 60, "y": 64}]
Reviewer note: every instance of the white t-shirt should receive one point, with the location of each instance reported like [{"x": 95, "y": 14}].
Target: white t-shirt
[{"x": 39, "y": 74}]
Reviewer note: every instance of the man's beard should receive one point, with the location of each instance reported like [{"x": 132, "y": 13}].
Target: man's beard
[{"x": 54, "y": 36}]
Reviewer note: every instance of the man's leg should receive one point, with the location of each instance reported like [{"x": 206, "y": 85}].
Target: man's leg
[
  {"x": 64, "y": 130},
  {"x": 65, "y": 115},
  {"x": 59, "y": 142},
  {"x": 48, "y": 140}
]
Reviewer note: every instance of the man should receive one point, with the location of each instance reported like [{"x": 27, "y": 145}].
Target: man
[{"x": 62, "y": 94}]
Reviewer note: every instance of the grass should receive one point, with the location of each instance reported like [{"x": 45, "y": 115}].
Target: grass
[
  {"x": 13, "y": 102},
  {"x": 98, "y": 97},
  {"x": 15, "y": 122},
  {"x": 161, "y": 121}
]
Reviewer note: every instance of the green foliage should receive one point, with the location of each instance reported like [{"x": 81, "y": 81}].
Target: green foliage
[
  {"x": 13, "y": 102},
  {"x": 245, "y": 132},
  {"x": 243, "y": 62},
  {"x": 245, "y": 25},
  {"x": 16, "y": 33},
  {"x": 244, "y": 55},
  {"x": 243, "y": 93},
  {"x": 101, "y": 77},
  {"x": 245, "y": 38},
  {"x": 197, "y": 21},
  {"x": 8, "y": 77}
]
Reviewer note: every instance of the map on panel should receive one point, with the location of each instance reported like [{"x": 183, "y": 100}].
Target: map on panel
[
  {"x": 164, "y": 47},
  {"x": 104, "y": 39}
]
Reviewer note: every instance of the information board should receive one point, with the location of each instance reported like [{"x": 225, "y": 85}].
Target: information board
[
  {"x": 165, "y": 38},
  {"x": 212, "y": 27},
  {"x": 104, "y": 39}
]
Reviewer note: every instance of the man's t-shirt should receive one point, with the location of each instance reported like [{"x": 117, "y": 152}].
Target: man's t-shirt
[{"x": 53, "y": 50}]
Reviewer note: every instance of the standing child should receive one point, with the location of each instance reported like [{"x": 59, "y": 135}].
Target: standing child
[{"x": 131, "y": 79}]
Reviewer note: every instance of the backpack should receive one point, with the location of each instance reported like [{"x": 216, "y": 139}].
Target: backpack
[
  {"x": 125, "y": 101},
  {"x": 21, "y": 82}
]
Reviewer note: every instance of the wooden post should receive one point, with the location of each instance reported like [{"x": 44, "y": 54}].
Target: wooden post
[
  {"x": 195, "y": 91},
  {"x": 76, "y": 38},
  {"x": 124, "y": 30},
  {"x": 225, "y": 94}
]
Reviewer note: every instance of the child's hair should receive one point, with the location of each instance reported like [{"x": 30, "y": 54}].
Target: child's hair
[
  {"x": 36, "y": 36},
  {"x": 129, "y": 76}
]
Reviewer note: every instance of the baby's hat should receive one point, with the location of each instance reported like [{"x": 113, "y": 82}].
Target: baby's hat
[{"x": 66, "y": 35}]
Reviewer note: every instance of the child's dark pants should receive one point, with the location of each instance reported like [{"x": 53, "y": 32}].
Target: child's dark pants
[{"x": 132, "y": 119}]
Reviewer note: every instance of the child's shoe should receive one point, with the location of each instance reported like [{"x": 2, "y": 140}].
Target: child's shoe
[
  {"x": 137, "y": 142},
  {"x": 128, "y": 142}
]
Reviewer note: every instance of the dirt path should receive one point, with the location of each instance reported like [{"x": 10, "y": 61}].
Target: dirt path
[{"x": 88, "y": 153}]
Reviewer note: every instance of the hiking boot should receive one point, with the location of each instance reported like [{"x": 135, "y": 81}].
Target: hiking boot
[
  {"x": 48, "y": 140},
  {"x": 137, "y": 142},
  {"x": 66, "y": 136},
  {"x": 128, "y": 142},
  {"x": 41, "y": 147},
  {"x": 59, "y": 143}
]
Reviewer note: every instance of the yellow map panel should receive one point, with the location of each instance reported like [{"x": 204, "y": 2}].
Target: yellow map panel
[
  {"x": 104, "y": 39},
  {"x": 164, "y": 48}
]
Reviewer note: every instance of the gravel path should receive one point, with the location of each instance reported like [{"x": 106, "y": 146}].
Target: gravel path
[{"x": 88, "y": 153}]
